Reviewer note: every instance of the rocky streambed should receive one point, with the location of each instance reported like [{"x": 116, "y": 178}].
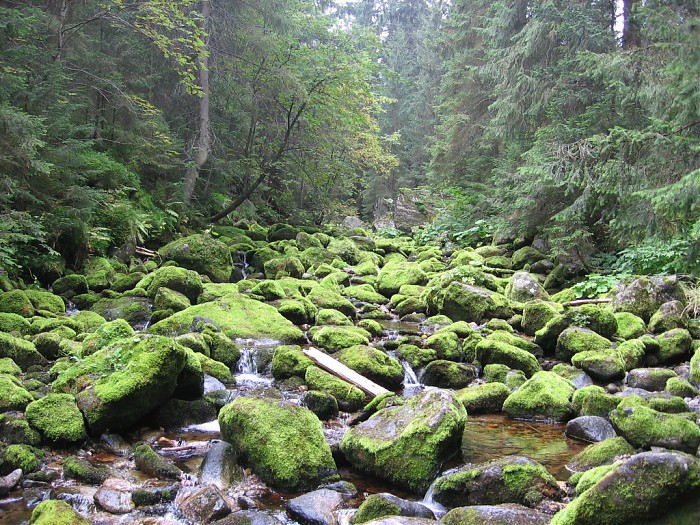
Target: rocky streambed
[{"x": 177, "y": 390}]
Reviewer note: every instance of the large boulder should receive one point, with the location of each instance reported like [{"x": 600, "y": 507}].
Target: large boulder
[
  {"x": 634, "y": 491},
  {"x": 484, "y": 398},
  {"x": 13, "y": 396},
  {"x": 201, "y": 253},
  {"x": 235, "y": 315},
  {"x": 506, "y": 514},
  {"x": 134, "y": 310},
  {"x": 523, "y": 287},
  {"x": 406, "y": 444},
  {"x": 53, "y": 512},
  {"x": 373, "y": 364},
  {"x": 187, "y": 282},
  {"x": 512, "y": 479},
  {"x": 349, "y": 397},
  {"x": 57, "y": 418},
  {"x": 283, "y": 442},
  {"x": 643, "y": 296},
  {"x": 22, "y": 352},
  {"x": 465, "y": 302},
  {"x": 116, "y": 386},
  {"x": 490, "y": 351},
  {"x": 394, "y": 275},
  {"x": 545, "y": 395}
]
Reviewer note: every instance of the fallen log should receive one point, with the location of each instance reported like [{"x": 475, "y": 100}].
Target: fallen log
[
  {"x": 579, "y": 302},
  {"x": 343, "y": 372}
]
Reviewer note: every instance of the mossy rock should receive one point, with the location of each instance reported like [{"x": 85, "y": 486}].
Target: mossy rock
[
  {"x": 448, "y": 374},
  {"x": 106, "y": 335},
  {"x": 190, "y": 381},
  {"x": 545, "y": 395},
  {"x": 490, "y": 351},
  {"x": 26, "y": 457},
  {"x": 46, "y": 301},
  {"x": 536, "y": 314},
  {"x": 674, "y": 347},
  {"x": 201, "y": 253},
  {"x": 323, "y": 297},
  {"x": 602, "y": 366},
  {"x": 515, "y": 340},
  {"x": 643, "y": 296},
  {"x": 670, "y": 315},
  {"x": 630, "y": 326},
  {"x": 505, "y": 514},
  {"x": 48, "y": 344},
  {"x": 14, "y": 429},
  {"x": 167, "y": 299},
  {"x": 602, "y": 453},
  {"x": 70, "y": 285},
  {"x": 14, "y": 324},
  {"x": 525, "y": 256},
  {"x": 57, "y": 418},
  {"x": 284, "y": 267},
  {"x": 213, "y": 291},
  {"x": 334, "y": 338},
  {"x": 677, "y": 386},
  {"x": 372, "y": 326},
  {"x": 187, "y": 282},
  {"x": 56, "y": 512},
  {"x": 22, "y": 352},
  {"x": 642, "y": 487},
  {"x": 446, "y": 345},
  {"x": 512, "y": 479},
  {"x": 365, "y": 293},
  {"x": 393, "y": 276},
  {"x": 125, "y": 282},
  {"x": 180, "y": 413},
  {"x": 297, "y": 311},
  {"x": 148, "y": 462},
  {"x": 324, "y": 405},
  {"x": 373, "y": 364},
  {"x": 465, "y": 302},
  {"x": 487, "y": 398},
  {"x": 222, "y": 348},
  {"x": 82, "y": 470},
  {"x": 328, "y": 316},
  {"x": 133, "y": 310},
  {"x": 575, "y": 340},
  {"x": 89, "y": 321},
  {"x": 582, "y": 481},
  {"x": 117, "y": 385},
  {"x": 16, "y": 302},
  {"x": 593, "y": 401},
  {"x": 349, "y": 397},
  {"x": 495, "y": 373},
  {"x": 406, "y": 444},
  {"x": 13, "y": 396},
  {"x": 375, "y": 507},
  {"x": 632, "y": 352},
  {"x": 282, "y": 442},
  {"x": 289, "y": 361},
  {"x": 645, "y": 427},
  {"x": 235, "y": 315},
  {"x": 523, "y": 287},
  {"x": 415, "y": 356},
  {"x": 8, "y": 366}
]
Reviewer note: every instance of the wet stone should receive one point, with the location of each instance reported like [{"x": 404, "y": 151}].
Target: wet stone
[
  {"x": 590, "y": 428},
  {"x": 203, "y": 505},
  {"x": 114, "y": 496},
  {"x": 316, "y": 508}
]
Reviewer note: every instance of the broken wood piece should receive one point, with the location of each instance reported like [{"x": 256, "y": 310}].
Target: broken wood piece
[
  {"x": 347, "y": 374},
  {"x": 579, "y": 302},
  {"x": 145, "y": 251}
]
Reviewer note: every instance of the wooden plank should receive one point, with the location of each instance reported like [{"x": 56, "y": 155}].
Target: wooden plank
[
  {"x": 579, "y": 302},
  {"x": 347, "y": 374}
]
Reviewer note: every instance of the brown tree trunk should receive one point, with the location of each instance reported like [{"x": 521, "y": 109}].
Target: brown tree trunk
[
  {"x": 631, "y": 34},
  {"x": 204, "y": 140}
]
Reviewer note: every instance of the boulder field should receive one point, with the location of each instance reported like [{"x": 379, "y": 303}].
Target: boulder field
[{"x": 97, "y": 367}]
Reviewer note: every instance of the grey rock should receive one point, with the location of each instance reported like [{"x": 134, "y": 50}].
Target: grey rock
[
  {"x": 317, "y": 507},
  {"x": 220, "y": 466},
  {"x": 203, "y": 505},
  {"x": 9, "y": 482},
  {"x": 507, "y": 514},
  {"x": 590, "y": 428}
]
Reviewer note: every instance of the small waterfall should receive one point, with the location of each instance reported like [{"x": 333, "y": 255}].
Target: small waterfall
[
  {"x": 248, "y": 363},
  {"x": 80, "y": 502},
  {"x": 429, "y": 501},
  {"x": 391, "y": 335},
  {"x": 71, "y": 309},
  {"x": 410, "y": 379},
  {"x": 247, "y": 370},
  {"x": 243, "y": 265},
  {"x": 345, "y": 516}
]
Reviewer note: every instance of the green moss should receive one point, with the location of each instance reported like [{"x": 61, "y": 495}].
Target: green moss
[
  {"x": 16, "y": 302},
  {"x": 490, "y": 351},
  {"x": 201, "y": 253},
  {"x": 536, "y": 314},
  {"x": 365, "y": 293},
  {"x": 446, "y": 345},
  {"x": 57, "y": 418},
  {"x": 585, "y": 480},
  {"x": 394, "y": 275},
  {"x": 466, "y": 302},
  {"x": 8, "y": 366},
  {"x": 56, "y": 512},
  {"x": 448, "y": 374},
  {"x": 22, "y": 352},
  {"x": 593, "y": 401},
  {"x": 545, "y": 395},
  {"x": 187, "y": 282},
  {"x": 70, "y": 285},
  {"x": 26, "y": 457},
  {"x": 349, "y": 397},
  {"x": 167, "y": 299},
  {"x": 13, "y": 396},
  {"x": 117, "y": 385},
  {"x": 14, "y": 323},
  {"x": 106, "y": 335},
  {"x": 82, "y": 470},
  {"x": 677, "y": 386},
  {"x": 236, "y": 316},
  {"x": 632, "y": 353},
  {"x": 323, "y": 297},
  {"x": 88, "y": 320},
  {"x": 496, "y": 373},
  {"x": 334, "y": 338},
  {"x": 213, "y": 291},
  {"x": 629, "y": 326},
  {"x": 279, "y": 267},
  {"x": 646, "y": 427},
  {"x": 289, "y": 361},
  {"x": 15, "y": 429},
  {"x": 415, "y": 356},
  {"x": 602, "y": 453},
  {"x": 372, "y": 326},
  {"x": 222, "y": 348},
  {"x": 214, "y": 368},
  {"x": 328, "y": 316},
  {"x": 270, "y": 290},
  {"x": 283, "y": 443},
  {"x": 674, "y": 347},
  {"x": 375, "y": 507},
  {"x": 575, "y": 340},
  {"x": 324, "y": 405},
  {"x": 148, "y": 462},
  {"x": 485, "y": 398},
  {"x": 601, "y": 366},
  {"x": 373, "y": 364}
]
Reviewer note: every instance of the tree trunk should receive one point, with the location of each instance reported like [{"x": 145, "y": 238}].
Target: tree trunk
[
  {"x": 204, "y": 140},
  {"x": 631, "y": 33}
]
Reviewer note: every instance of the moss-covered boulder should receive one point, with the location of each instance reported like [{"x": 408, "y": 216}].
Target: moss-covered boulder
[
  {"x": 117, "y": 385},
  {"x": 201, "y": 253},
  {"x": 187, "y": 282},
  {"x": 490, "y": 351},
  {"x": 289, "y": 361},
  {"x": 604, "y": 452},
  {"x": 323, "y": 404},
  {"x": 394, "y": 275},
  {"x": 44, "y": 301},
  {"x": 349, "y": 397},
  {"x": 645, "y": 427},
  {"x": 56, "y": 512},
  {"x": 334, "y": 338},
  {"x": 465, "y": 302},
  {"x": 235, "y": 315},
  {"x": 415, "y": 356},
  {"x": 8, "y": 366},
  {"x": 282, "y": 442},
  {"x": 82, "y": 470},
  {"x": 328, "y": 316},
  {"x": 148, "y": 462},
  {"x": 545, "y": 395},
  {"x": 70, "y": 285},
  {"x": 632, "y": 353},
  {"x": 22, "y": 352},
  {"x": 106, "y": 335},
  {"x": 575, "y": 340},
  {"x": 672, "y": 347},
  {"x": 134, "y": 310},
  {"x": 15, "y": 429},
  {"x": 323, "y": 297},
  {"x": 512, "y": 479},
  {"x": 630, "y": 326},
  {"x": 447, "y": 345},
  {"x": 523, "y": 287},
  {"x": 13, "y": 396},
  {"x": 406, "y": 444},
  {"x": 16, "y": 302},
  {"x": 536, "y": 314},
  {"x": 14, "y": 324},
  {"x": 373, "y": 364},
  {"x": 652, "y": 379},
  {"x": 505, "y": 514},
  {"x": 167, "y": 299},
  {"x": 670, "y": 315},
  {"x": 643, "y": 296},
  {"x": 383, "y": 504},
  {"x": 634, "y": 491},
  {"x": 448, "y": 374},
  {"x": 487, "y": 398},
  {"x": 284, "y": 267},
  {"x": 57, "y": 418},
  {"x": 602, "y": 366},
  {"x": 26, "y": 457},
  {"x": 593, "y": 400},
  {"x": 88, "y": 321},
  {"x": 365, "y": 293}
]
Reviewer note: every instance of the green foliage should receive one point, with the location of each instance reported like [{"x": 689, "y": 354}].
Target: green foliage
[
  {"x": 22, "y": 241},
  {"x": 596, "y": 285},
  {"x": 655, "y": 256}
]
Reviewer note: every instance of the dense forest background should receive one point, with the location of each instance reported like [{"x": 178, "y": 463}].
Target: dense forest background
[{"x": 130, "y": 122}]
